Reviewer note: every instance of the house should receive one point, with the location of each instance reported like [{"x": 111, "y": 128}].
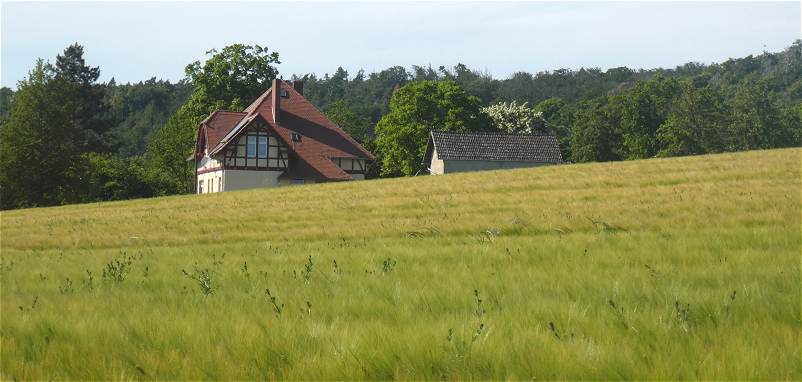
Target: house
[
  {"x": 460, "y": 152},
  {"x": 280, "y": 139}
]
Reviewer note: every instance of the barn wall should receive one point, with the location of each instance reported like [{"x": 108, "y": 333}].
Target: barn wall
[
  {"x": 436, "y": 166},
  {"x": 451, "y": 166}
]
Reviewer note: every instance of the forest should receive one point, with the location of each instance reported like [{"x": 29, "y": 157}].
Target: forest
[{"x": 66, "y": 137}]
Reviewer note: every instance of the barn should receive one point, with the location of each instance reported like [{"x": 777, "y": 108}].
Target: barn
[{"x": 448, "y": 152}]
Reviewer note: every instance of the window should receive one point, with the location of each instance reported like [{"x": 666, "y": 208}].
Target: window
[
  {"x": 211, "y": 186},
  {"x": 257, "y": 149},
  {"x": 251, "y": 146},
  {"x": 220, "y": 184},
  {"x": 200, "y": 186},
  {"x": 263, "y": 146}
]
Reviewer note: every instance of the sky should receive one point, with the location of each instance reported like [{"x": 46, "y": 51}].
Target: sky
[{"x": 134, "y": 41}]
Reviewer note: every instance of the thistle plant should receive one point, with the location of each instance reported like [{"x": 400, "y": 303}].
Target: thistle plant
[
  {"x": 388, "y": 264},
  {"x": 202, "y": 278},
  {"x": 117, "y": 270},
  {"x": 479, "y": 311},
  {"x": 273, "y": 300},
  {"x": 307, "y": 272},
  {"x": 66, "y": 287}
]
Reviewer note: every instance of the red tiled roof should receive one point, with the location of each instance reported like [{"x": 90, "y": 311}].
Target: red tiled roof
[
  {"x": 321, "y": 139},
  {"x": 218, "y": 124}
]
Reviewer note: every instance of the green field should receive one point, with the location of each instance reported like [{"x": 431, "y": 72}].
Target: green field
[{"x": 683, "y": 268}]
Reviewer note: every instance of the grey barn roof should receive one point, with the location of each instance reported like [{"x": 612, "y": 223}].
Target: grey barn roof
[{"x": 542, "y": 148}]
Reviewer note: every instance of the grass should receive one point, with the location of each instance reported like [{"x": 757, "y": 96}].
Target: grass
[{"x": 682, "y": 268}]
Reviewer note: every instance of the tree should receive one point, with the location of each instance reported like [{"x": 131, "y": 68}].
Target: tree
[
  {"x": 645, "y": 108},
  {"x": 6, "y": 95},
  {"x": 416, "y": 109},
  {"x": 342, "y": 112},
  {"x": 230, "y": 78},
  {"x": 594, "y": 137},
  {"x": 696, "y": 124},
  {"x": 757, "y": 120},
  {"x": 513, "y": 117},
  {"x": 558, "y": 116},
  {"x": 233, "y": 77},
  {"x": 91, "y": 113},
  {"x": 39, "y": 142}
]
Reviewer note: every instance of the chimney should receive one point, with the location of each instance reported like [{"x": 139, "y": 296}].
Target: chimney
[
  {"x": 298, "y": 85},
  {"x": 276, "y": 99}
]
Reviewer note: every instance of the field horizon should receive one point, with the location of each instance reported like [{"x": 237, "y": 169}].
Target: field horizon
[{"x": 670, "y": 268}]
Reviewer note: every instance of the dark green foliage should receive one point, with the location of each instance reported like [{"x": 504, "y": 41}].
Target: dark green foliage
[
  {"x": 595, "y": 136},
  {"x": 6, "y": 95},
  {"x": 110, "y": 177},
  {"x": 696, "y": 124},
  {"x": 40, "y": 142},
  {"x": 140, "y": 109},
  {"x": 343, "y": 113},
  {"x": 416, "y": 109},
  {"x": 757, "y": 120},
  {"x": 91, "y": 112},
  {"x": 644, "y": 108},
  {"x": 558, "y": 115}
]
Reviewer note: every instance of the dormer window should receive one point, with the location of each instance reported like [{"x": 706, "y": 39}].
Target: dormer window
[{"x": 296, "y": 137}]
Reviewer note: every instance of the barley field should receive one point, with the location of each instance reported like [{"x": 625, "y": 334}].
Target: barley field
[{"x": 681, "y": 268}]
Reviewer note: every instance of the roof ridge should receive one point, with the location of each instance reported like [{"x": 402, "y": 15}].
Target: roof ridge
[{"x": 254, "y": 106}]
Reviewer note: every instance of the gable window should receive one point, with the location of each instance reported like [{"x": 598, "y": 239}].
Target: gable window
[
  {"x": 263, "y": 146},
  {"x": 251, "y": 146},
  {"x": 256, "y": 149}
]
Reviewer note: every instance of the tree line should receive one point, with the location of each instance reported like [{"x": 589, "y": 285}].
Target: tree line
[{"x": 67, "y": 138}]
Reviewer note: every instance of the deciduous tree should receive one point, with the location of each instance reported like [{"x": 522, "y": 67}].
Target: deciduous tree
[{"x": 416, "y": 109}]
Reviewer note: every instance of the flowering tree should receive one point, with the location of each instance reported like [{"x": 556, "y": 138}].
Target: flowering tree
[{"x": 515, "y": 118}]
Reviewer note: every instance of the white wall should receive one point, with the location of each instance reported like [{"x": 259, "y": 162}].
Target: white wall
[
  {"x": 451, "y": 166},
  {"x": 436, "y": 166},
  {"x": 211, "y": 182}
]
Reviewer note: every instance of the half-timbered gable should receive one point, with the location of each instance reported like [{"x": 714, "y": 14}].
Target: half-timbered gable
[
  {"x": 280, "y": 139},
  {"x": 256, "y": 148}
]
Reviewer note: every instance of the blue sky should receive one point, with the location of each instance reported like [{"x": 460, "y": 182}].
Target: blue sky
[{"x": 136, "y": 41}]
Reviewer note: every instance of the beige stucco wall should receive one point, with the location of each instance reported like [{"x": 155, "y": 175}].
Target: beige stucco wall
[
  {"x": 436, "y": 166},
  {"x": 211, "y": 182},
  {"x": 451, "y": 166},
  {"x": 245, "y": 179}
]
